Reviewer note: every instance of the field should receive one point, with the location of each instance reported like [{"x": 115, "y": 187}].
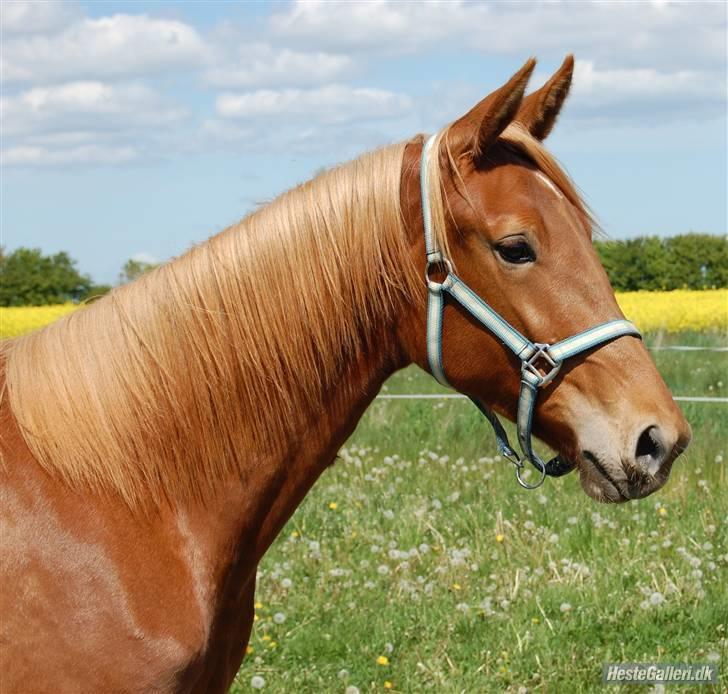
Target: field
[
  {"x": 417, "y": 563},
  {"x": 670, "y": 312}
]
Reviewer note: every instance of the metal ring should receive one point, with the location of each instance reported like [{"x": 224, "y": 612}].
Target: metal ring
[
  {"x": 523, "y": 482},
  {"x": 436, "y": 263}
]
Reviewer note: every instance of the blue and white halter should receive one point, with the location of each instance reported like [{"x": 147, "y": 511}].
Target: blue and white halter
[{"x": 530, "y": 353}]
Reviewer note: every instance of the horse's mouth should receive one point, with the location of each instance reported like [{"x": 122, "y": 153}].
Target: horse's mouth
[
  {"x": 607, "y": 484},
  {"x": 600, "y": 483}
]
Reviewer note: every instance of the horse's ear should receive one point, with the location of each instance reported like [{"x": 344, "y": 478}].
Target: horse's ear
[
  {"x": 538, "y": 111},
  {"x": 480, "y": 127}
]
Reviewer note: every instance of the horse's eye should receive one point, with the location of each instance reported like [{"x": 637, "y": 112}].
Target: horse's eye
[{"x": 516, "y": 251}]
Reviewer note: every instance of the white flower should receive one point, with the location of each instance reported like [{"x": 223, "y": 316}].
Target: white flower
[
  {"x": 656, "y": 598},
  {"x": 257, "y": 682},
  {"x": 286, "y": 583},
  {"x": 382, "y": 569},
  {"x": 388, "y": 647},
  {"x": 279, "y": 618}
]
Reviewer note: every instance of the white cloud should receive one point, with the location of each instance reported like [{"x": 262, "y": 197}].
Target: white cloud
[
  {"x": 46, "y": 156},
  {"x": 644, "y": 93},
  {"x": 110, "y": 47},
  {"x": 84, "y": 105},
  {"x": 665, "y": 33},
  {"x": 83, "y": 123},
  {"x": 328, "y": 104},
  {"x": 35, "y": 16},
  {"x": 260, "y": 64}
]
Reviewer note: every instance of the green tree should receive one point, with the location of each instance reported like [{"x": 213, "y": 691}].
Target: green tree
[
  {"x": 133, "y": 269},
  {"x": 694, "y": 261},
  {"x": 29, "y": 278}
]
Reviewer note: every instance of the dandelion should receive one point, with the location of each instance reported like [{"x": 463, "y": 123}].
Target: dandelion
[
  {"x": 565, "y": 607},
  {"x": 343, "y": 674},
  {"x": 294, "y": 534},
  {"x": 279, "y": 618},
  {"x": 500, "y": 537},
  {"x": 382, "y": 660},
  {"x": 382, "y": 569},
  {"x": 387, "y": 684},
  {"x": 662, "y": 511},
  {"x": 456, "y": 586},
  {"x": 351, "y": 689},
  {"x": 257, "y": 682},
  {"x": 535, "y": 620},
  {"x": 656, "y": 599},
  {"x": 286, "y": 583},
  {"x": 249, "y": 649},
  {"x": 333, "y": 506}
]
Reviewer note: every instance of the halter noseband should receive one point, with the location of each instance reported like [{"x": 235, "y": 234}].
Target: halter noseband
[{"x": 531, "y": 354}]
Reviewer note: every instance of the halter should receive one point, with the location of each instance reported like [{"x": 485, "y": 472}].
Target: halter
[{"x": 535, "y": 357}]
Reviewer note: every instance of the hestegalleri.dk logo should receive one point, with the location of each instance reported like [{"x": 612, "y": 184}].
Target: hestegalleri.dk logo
[{"x": 660, "y": 673}]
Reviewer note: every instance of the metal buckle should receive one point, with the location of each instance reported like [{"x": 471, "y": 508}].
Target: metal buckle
[
  {"x": 442, "y": 261},
  {"x": 542, "y": 353}
]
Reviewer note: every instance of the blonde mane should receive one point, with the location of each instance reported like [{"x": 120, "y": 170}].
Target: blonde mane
[{"x": 161, "y": 388}]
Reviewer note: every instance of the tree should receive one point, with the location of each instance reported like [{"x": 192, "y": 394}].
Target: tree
[
  {"x": 133, "y": 269},
  {"x": 693, "y": 261},
  {"x": 29, "y": 278}
]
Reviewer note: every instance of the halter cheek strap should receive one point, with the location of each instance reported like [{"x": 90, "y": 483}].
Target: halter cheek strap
[{"x": 536, "y": 358}]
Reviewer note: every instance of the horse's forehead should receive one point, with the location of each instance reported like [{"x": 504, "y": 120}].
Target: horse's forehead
[{"x": 518, "y": 189}]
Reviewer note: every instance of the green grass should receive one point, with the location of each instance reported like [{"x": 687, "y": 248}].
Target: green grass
[{"x": 434, "y": 558}]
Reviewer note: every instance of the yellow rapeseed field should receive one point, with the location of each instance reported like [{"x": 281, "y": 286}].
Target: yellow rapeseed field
[{"x": 675, "y": 311}]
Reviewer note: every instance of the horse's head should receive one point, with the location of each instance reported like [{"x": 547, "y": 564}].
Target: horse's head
[{"x": 518, "y": 235}]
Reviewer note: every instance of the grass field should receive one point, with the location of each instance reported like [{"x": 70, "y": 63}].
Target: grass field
[{"x": 417, "y": 564}]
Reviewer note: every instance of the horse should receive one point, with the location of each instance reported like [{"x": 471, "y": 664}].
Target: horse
[{"x": 156, "y": 441}]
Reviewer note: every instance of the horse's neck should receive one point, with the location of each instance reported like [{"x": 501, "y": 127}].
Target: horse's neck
[{"x": 234, "y": 530}]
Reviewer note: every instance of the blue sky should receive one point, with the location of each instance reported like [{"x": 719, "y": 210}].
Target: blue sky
[{"x": 134, "y": 129}]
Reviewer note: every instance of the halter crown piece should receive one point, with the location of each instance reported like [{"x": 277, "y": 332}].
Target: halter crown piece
[{"x": 535, "y": 357}]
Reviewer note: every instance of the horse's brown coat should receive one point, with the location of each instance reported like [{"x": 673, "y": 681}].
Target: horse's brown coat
[{"x": 98, "y": 594}]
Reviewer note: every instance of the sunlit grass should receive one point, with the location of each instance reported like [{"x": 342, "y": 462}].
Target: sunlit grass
[{"x": 418, "y": 547}]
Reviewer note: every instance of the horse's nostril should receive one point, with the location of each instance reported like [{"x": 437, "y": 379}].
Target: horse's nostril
[{"x": 650, "y": 452}]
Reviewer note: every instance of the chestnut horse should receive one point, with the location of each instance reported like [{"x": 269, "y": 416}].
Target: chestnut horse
[{"x": 155, "y": 442}]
